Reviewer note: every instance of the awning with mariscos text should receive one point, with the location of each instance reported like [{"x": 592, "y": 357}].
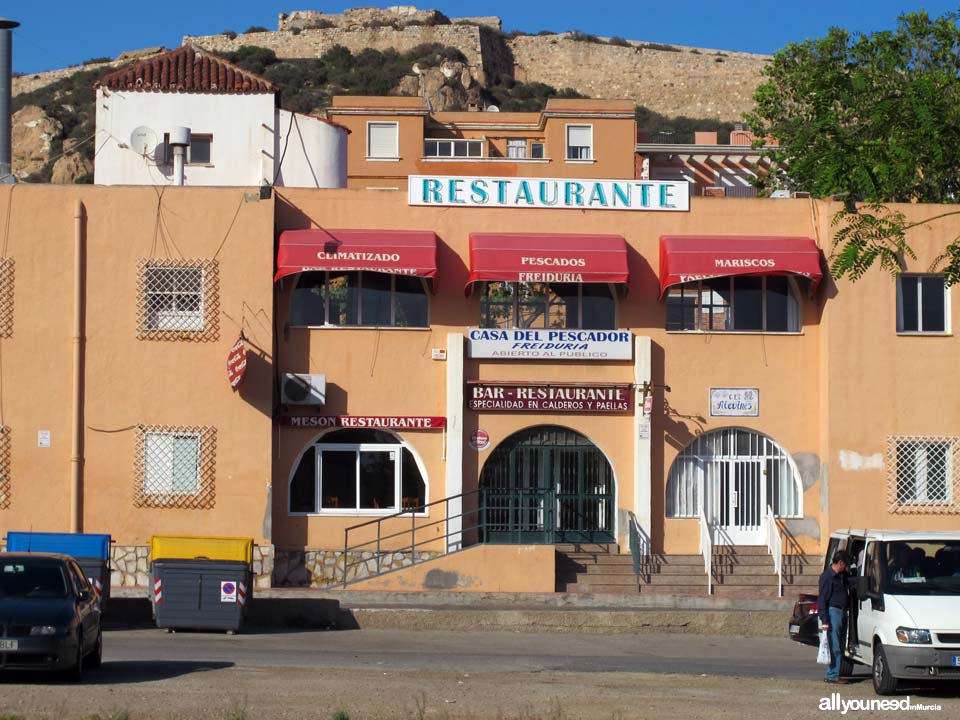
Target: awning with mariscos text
[
  {"x": 548, "y": 258},
  {"x": 398, "y": 252},
  {"x": 688, "y": 258}
]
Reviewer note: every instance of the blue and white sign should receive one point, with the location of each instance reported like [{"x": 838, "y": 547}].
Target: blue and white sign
[
  {"x": 228, "y": 592},
  {"x": 565, "y": 193},
  {"x": 515, "y": 344},
  {"x": 734, "y": 402}
]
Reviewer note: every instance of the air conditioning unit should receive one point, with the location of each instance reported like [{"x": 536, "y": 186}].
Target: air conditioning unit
[{"x": 300, "y": 389}]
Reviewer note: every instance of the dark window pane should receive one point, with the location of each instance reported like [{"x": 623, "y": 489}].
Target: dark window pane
[
  {"x": 909, "y": 314},
  {"x": 496, "y": 305},
  {"x": 682, "y": 307},
  {"x": 377, "y": 488},
  {"x": 410, "y": 302},
  {"x": 412, "y": 488},
  {"x": 303, "y": 487},
  {"x": 338, "y": 479},
  {"x": 532, "y": 305},
  {"x": 715, "y": 304},
  {"x": 781, "y": 306},
  {"x": 564, "y": 299},
  {"x": 375, "y": 299},
  {"x": 342, "y": 289},
  {"x": 932, "y": 303},
  {"x": 306, "y": 306},
  {"x": 599, "y": 307},
  {"x": 200, "y": 151},
  {"x": 430, "y": 148},
  {"x": 748, "y": 303}
]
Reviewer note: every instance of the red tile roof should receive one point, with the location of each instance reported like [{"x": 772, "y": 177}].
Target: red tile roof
[{"x": 186, "y": 69}]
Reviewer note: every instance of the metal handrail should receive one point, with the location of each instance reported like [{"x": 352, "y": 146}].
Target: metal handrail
[
  {"x": 775, "y": 546},
  {"x": 640, "y": 550},
  {"x": 412, "y": 512},
  {"x": 706, "y": 549}
]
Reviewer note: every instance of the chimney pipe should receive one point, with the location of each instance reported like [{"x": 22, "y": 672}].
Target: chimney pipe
[{"x": 6, "y": 73}]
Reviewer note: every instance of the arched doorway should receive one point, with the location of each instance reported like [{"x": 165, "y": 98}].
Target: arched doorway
[
  {"x": 547, "y": 484},
  {"x": 733, "y": 475}
]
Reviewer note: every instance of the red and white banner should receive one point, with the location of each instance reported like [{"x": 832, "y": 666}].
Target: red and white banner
[
  {"x": 688, "y": 258},
  {"x": 237, "y": 362},
  {"x": 367, "y": 422}
]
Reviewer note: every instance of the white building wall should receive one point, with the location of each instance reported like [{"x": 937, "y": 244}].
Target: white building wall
[
  {"x": 242, "y": 127},
  {"x": 312, "y": 153}
]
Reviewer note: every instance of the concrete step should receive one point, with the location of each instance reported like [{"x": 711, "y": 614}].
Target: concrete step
[
  {"x": 609, "y": 549},
  {"x": 602, "y": 559}
]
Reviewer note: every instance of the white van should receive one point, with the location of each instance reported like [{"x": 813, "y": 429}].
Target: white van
[{"x": 905, "y": 609}]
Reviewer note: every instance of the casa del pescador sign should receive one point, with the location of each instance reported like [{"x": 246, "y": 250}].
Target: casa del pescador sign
[{"x": 567, "y": 193}]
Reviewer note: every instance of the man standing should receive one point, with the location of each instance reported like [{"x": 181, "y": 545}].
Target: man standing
[{"x": 832, "y": 604}]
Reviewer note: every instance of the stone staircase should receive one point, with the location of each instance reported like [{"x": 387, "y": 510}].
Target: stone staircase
[{"x": 738, "y": 572}]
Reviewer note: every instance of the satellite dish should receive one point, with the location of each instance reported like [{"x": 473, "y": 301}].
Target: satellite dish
[
  {"x": 492, "y": 108},
  {"x": 143, "y": 140}
]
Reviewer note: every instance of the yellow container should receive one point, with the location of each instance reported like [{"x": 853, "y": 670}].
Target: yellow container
[{"x": 191, "y": 547}]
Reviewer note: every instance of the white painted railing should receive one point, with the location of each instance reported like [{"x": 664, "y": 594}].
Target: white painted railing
[
  {"x": 640, "y": 549},
  {"x": 775, "y": 546},
  {"x": 706, "y": 549}
]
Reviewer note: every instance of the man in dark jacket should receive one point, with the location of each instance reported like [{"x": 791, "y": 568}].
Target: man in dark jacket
[{"x": 832, "y": 604}]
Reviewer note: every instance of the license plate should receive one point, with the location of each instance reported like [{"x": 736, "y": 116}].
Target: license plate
[
  {"x": 14, "y": 645},
  {"x": 794, "y": 628},
  {"x": 955, "y": 661}
]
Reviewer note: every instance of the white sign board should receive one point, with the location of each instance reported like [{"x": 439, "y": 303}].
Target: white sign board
[
  {"x": 734, "y": 402},
  {"x": 557, "y": 193},
  {"x": 228, "y": 592},
  {"x": 549, "y": 344},
  {"x": 43, "y": 438}
]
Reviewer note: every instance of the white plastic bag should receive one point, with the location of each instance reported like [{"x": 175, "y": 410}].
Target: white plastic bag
[{"x": 823, "y": 654}]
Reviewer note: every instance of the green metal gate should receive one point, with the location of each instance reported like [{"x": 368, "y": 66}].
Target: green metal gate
[{"x": 548, "y": 485}]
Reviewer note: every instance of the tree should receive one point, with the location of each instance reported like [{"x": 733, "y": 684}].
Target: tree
[{"x": 868, "y": 119}]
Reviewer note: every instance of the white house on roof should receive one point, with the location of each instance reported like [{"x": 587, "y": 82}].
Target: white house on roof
[{"x": 224, "y": 119}]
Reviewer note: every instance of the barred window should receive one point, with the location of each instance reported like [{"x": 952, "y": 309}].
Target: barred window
[
  {"x": 6, "y": 297},
  {"x": 922, "y": 474},
  {"x": 175, "y": 467},
  {"x": 4, "y": 468},
  {"x": 178, "y": 299}
]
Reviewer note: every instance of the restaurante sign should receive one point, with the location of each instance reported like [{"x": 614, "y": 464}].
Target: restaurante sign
[
  {"x": 549, "y": 193},
  {"x": 550, "y": 398}
]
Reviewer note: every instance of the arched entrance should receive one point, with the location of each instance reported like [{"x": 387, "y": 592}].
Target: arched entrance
[
  {"x": 547, "y": 484},
  {"x": 733, "y": 475}
]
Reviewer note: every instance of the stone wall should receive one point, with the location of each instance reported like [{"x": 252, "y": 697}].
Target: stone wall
[
  {"x": 356, "y": 18},
  {"x": 130, "y": 566},
  {"x": 692, "y": 82},
  {"x": 322, "y": 568}
]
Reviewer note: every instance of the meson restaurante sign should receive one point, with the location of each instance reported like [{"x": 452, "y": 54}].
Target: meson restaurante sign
[{"x": 567, "y": 194}]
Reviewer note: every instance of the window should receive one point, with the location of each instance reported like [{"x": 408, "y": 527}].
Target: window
[
  {"x": 922, "y": 304},
  {"x": 759, "y": 304},
  {"x": 542, "y": 305},
  {"x": 174, "y": 467},
  {"x": 579, "y": 142},
  {"x": 922, "y": 474},
  {"x": 199, "y": 152},
  {"x": 359, "y": 298},
  {"x": 453, "y": 148},
  {"x": 178, "y": 300},
  {"x": 536, "y": 150},
  {"x": 357, "y": 471},
  {"x": 382, "y": 141},
  {"x": 517, "y": 148}
]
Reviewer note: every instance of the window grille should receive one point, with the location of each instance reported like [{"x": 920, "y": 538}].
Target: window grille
[
  {"x": 178, "y": 300},
  {"x": 6, "y": 297},
  {"x": 4, "y": 468},
  {"x": 174, "y": 467},
  {"x": 922, "y": 474}
]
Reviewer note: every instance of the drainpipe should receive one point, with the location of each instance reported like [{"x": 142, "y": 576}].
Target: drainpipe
[
  {"x": 76, "y": 458},
  {"x": 6, "y": 72}
]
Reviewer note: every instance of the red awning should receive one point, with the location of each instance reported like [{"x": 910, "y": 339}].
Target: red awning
[
  {"x": 399, "y": 252},
  {"x": 685, "y": 258},
  {"x": 535, "y": 257}
]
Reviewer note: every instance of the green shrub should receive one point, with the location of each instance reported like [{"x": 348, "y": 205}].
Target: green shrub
[
  {"x": 296, "y": 31},
  {"x": 320, "y": 24},
  {"x": 97, "y": 61},
  {"x": 681, "y": 129},
  {"x": 230, "y": 34},
  {"x": 255, "y": 29},
  {"x": 546, "y": 32},
  {"x": 583, "y": 37},
  {"x": 619, "y": 41},
  {"x": 659, "y": 46}
]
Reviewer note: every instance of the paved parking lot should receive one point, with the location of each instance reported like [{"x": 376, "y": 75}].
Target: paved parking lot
[{"x": 398, "y": 674}]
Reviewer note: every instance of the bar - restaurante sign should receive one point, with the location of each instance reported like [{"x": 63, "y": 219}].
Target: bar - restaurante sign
[
  {"x": 557, "y": 398},
  {"x": 568, "y": 194}
]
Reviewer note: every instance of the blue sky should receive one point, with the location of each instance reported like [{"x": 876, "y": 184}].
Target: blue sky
[{"x": 57, "y": 33}]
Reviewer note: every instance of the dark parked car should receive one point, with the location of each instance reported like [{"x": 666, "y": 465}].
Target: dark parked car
[
  {"x": 49, "y": 615},
  {"x": 803, "y": 626}
]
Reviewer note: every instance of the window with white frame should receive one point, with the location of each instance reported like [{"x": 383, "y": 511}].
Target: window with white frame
[
  {"x": 747, "y": 304},
  {"x": 548, "y": 305},
  {"x": 383, "y": 140},
  {"x": 453, "y": 148},
  {"x": 177, "y": 300},
  {"x": 199, "y": 151},
  {"x": 922, "y": 474},
  {"x": 174, "y": 466},
  {"x": 579, "y": 142},
  {"x": 359, "y": 298},
  {"x": 922, "y": 304},
  {"x": 536, "y": 151},
  {"x": 517, "y": 148},
  {"x": 357, "y": 471}
]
